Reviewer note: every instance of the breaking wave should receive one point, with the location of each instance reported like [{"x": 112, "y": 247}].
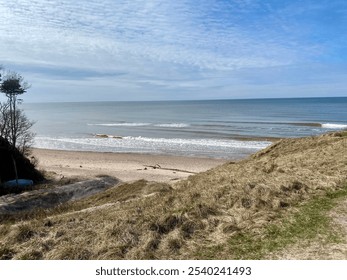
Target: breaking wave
[
  {"x": 119, "y": 124},
  {"x": 215, "y": 148},
  {"x": 131, "y": 124},
  {"x": 334, "y": 126},
  {"x": 173, "y": 125}
]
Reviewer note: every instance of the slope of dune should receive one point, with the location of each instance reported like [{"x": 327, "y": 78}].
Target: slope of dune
[{"x": 196, "y": 218}]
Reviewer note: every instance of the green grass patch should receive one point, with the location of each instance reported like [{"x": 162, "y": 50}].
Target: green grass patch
[{"x": 308, "y": 223}]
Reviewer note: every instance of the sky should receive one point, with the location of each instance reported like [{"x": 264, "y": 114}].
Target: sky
[{"x": 126, "y": 50}]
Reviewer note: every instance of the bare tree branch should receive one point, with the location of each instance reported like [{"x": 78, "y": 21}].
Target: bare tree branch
[{"x": 14, "y": 125}]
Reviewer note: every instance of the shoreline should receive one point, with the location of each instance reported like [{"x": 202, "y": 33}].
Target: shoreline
[
  {"x": 215, "y": 148},
  {"x": 125, "y": 166}
]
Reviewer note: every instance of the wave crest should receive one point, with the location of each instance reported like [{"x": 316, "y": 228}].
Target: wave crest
[
  {"x": 172, "y": 125},
  {"x": 119, "y": 124},
  {"x": 334, "y": 125}
]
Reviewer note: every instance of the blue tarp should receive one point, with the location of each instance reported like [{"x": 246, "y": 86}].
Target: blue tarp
[{"x": 19, "y": 183}]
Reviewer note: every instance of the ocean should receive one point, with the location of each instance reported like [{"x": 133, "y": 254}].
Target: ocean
[{"x": 229, "y": 129}]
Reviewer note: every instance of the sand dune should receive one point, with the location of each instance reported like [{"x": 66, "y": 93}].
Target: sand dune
[{"x": 226, "y": 212}]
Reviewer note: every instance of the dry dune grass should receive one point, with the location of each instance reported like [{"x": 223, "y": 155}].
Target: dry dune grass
[{"x": 195, "y": 218}]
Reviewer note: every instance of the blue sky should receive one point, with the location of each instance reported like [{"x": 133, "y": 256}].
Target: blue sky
[{"x": 168, "y": 50}]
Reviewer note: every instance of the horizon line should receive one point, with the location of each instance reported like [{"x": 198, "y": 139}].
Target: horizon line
[{"x": 186, "y": 100}]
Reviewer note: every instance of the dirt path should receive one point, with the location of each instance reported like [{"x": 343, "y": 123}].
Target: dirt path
[{"x": 47, "y": 198}]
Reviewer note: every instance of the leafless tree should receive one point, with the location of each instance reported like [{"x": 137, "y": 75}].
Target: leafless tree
[
  {"x": 4, "y": 120},
  {"x": 14, "y": 125}
]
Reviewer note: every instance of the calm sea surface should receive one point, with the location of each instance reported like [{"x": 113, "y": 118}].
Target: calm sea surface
[{"x": 216, "y": 128}]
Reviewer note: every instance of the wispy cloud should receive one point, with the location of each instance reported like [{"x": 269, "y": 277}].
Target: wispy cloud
[{"x": 165, "y": 45}]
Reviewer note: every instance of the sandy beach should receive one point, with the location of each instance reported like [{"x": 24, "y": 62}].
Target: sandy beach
[{"x": 124, "y": 166}]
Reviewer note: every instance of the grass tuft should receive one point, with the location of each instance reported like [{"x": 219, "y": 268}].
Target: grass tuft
[
  {"x": 32, "y": 255},
  {"x": 166, "y": 225},
  {"x": 6, "y": 253},
  {"x": 23, "y": 233},
  {"x": 174, "y": 244}
]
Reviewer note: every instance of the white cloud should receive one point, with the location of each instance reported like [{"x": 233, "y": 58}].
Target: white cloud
[
  {"x": 156, "y": 45},
  {"x": 92, "y": 33}
]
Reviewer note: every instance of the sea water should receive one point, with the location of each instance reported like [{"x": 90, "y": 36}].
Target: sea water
[{"x": 228, "y": 129}]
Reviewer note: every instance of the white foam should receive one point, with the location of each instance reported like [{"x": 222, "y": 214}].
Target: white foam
[
  {"x": 200, "y": 147},
  {"x": 334, "y": 125},
  {"x": 173, "y": 125},
  {"x": 201, "y": 142},
  {"x": 120, "y": 124},
  {"x": 170, "y": 125}
]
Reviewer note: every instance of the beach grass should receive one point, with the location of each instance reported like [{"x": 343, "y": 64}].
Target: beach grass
[
  {"x": 306, "y": 223},
  {"x": 251, "y": 209}
]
